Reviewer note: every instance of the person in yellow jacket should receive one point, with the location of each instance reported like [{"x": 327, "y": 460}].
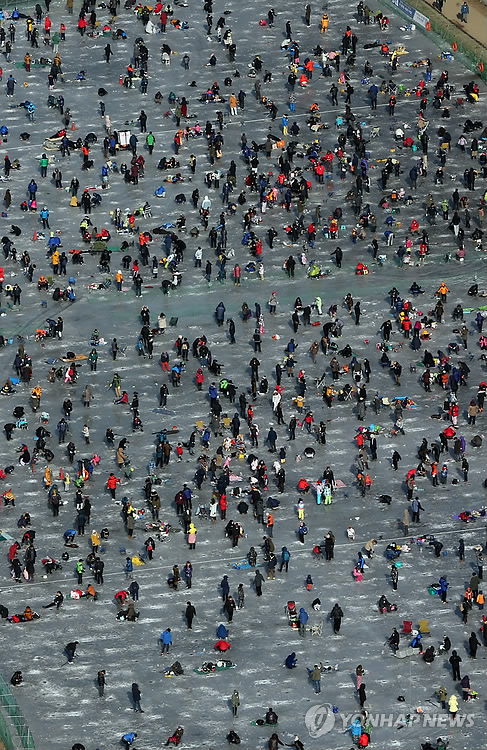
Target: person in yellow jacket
[
  {"x": 191, "y": 539},
  {"x": 453, "y": 705},
  {"x": 9, "y": 497},
  {"x": 324, "y": 23},
  {"x": 95, "y": 541},
  {"x": 47, "y": 477},
  {"x": 119, "y": 280},
  {"x": 55, "y": 261}
]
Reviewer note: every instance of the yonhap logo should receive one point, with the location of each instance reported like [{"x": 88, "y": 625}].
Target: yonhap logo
[
  {"x": 323, "y": 718},
  {"x": 319, "y": 720}
]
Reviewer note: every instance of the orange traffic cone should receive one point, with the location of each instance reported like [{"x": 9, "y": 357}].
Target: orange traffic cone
[
  {"x": 73, "y": 126},
  {"x": 61, "y": 473},
  {"x": 34, "y": 238}
]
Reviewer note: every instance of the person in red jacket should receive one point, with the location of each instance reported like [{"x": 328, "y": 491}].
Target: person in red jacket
[
  {"x": 329, "y": 156},
  {"x": 223, "y": 507},
  {"x": 112, "y": 484},
  {"x": 163, "y": 21},
  {"x": 454, "y": 411},
  {"x": 121, "y": 597},
  {"x": 200, "y": 378},
  {"x": 13, "y": 551},
  {"x": 406, "y": 327}
]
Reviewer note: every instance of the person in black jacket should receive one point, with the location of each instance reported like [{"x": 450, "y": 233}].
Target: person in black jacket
[
  {"x": 100, "y": 678},
  {"x": 336, "y": 616},
  {"x": 473, "y": 642},
  {"x": 136, "y": 695},
  {"x": 455, "y": 661},
  {"x": 71, "y": 651},
  {"x": 190, "y": 614},
  {"x": 56, "y": 602}
]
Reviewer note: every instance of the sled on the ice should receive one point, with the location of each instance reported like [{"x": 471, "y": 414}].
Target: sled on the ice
[
  {"x": 76, "y": 358},
  {"x": 124, "y": 138},
  {"x": 325, "y": 668},
  {"x": 404, "y": 653},
  {"x": 210, "y": 667},
  {"x": 469, "y": 516},
  {"x": 77, "y": 594},
  {"x": 175, "y": 670},
  {"x": 24, "y": 617},
  {"x": 408, "y": 402},
  {"x": 243, "y": 565},
  {"x": 53, "y": 143}
]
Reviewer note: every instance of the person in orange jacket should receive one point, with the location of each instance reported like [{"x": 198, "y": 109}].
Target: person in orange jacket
[
  {"x": 434, "y": 474},
  {"x": 443, "y": 291},
  {"x": 324, "y": 24},
  {"x": 309, "y": 69}
]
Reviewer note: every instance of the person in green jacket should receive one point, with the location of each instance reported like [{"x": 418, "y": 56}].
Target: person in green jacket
[
  {"x": 79, "y": 571},
  {"x": 44, "y": 163},
  {"x": 92, "y": 359},
  {"x": 150, "y": 140},
  {"x": 116, "y": 384},
  {"x": 56, "y": 38}
]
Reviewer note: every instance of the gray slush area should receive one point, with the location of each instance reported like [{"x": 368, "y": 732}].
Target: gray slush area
[{"x": 60, "y": 702}]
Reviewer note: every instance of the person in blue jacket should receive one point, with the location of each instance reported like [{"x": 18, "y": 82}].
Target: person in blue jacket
[
  {"x": 303, "y": 619},
  {"x": 206, "y": 438},
  {"x": 443, "y": 588},
  {"x": 416, "y": 642},
  {"x": 291, "y": 661},
  {"x": 221, "y": 631},
  {"x": 128, "y": 739},
  {"x": 285, "y": 557},
  {"x": 225, "y": 587},
  {"x": 220, "y": 313},
  {"x": 166, "y": 641},
  {"x": 32, "y": 189},
  {"x": 355, "y": 730}
]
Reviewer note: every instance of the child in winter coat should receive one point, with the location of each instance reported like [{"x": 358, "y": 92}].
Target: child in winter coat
[{"x": 357, "y": 574}]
